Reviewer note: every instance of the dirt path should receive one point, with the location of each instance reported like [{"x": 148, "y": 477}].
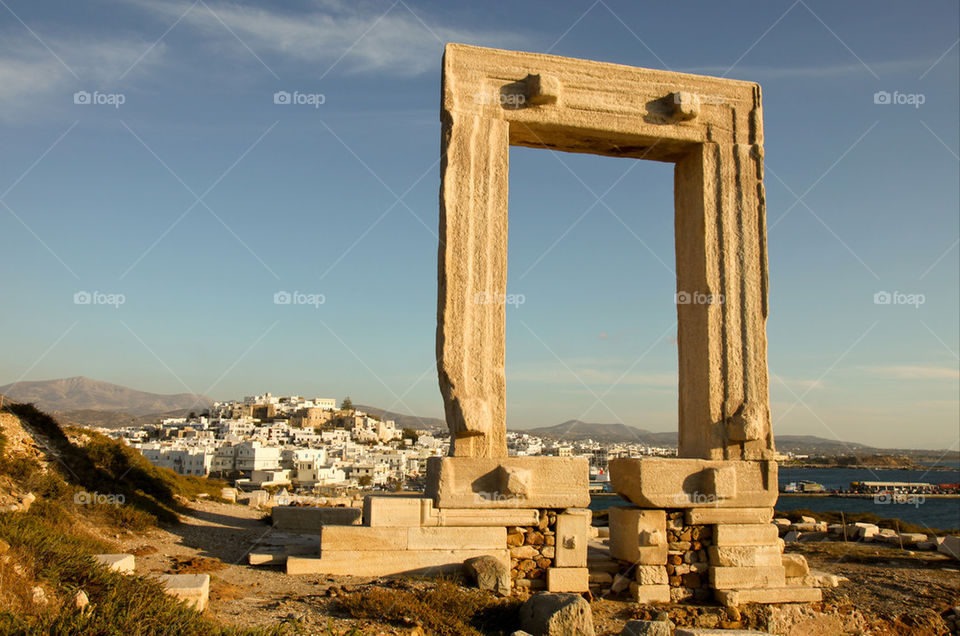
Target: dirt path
[{"x": 216, "y": 538}]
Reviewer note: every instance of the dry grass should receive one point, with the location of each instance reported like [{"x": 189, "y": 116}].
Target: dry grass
[
  {"x": 195, "y": 565},
  {"x": 445, "y": 608}
]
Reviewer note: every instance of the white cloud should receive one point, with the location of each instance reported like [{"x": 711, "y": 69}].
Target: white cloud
[
  {"x": 905, "y": 372},
  {"x": 798, "y": 385},
  {"x": 31, "y": 76},
  {"x": 814, "y": 72},
  {"x": 367, "y": 37}
]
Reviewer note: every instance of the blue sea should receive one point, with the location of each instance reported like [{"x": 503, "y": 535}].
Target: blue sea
[{"x": 939, "y": 513}]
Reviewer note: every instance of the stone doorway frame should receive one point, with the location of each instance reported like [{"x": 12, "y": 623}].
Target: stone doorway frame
[{"x": 709, "y": 128}]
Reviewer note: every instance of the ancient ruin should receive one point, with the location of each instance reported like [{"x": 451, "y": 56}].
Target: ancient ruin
[{"x": 700, "y": 525}]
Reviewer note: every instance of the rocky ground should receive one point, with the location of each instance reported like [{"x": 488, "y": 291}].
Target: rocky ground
[{"x": 889, "y": 592}]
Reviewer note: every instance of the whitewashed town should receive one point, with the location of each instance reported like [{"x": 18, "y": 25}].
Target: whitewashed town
[{"x": 310, "y": 445}]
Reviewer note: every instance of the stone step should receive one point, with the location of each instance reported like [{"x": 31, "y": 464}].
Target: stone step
[
  {"x": 364, "y": 538},
  {"x": 734, "y": 578},
  {"x": 387, "y": 562},
  {"x": 770, "y": 595}
]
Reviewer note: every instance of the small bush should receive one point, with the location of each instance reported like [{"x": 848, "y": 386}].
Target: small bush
[{"x": 444, "y": 608}]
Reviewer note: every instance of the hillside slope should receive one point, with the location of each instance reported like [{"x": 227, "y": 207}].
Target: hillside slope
[{"x": 66, "y": 495}]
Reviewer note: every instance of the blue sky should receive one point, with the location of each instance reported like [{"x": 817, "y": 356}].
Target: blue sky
[{"x": 198, "y": 198}]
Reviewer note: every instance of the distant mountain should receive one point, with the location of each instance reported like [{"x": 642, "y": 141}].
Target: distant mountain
[
  {"x": 80, "y": 393},
  {"x": 405, "y": 421},
  {"x": 578, "y": 430},
  {"x": 575, "y": 430},
  {"x": 809, "y": 444}
]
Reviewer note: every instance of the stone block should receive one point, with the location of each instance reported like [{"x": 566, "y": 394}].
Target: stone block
[
  {"x": 711, "y": 516},
  {"x": 490, "y": 482},
  {"x": 474, "y": 517},
  {"x": 795, "y": 565},
  {"x": 266, "y": 558},
  {"x": 363, "y": 538},
  {"x": 387, "y": 562},
  {"x": 489, "y": 573},
  {"x": 568, "y": 580},
  {"x": 650, "y": 593},
  {"x": 478, "y": 538},
  {"x": 571, "y": 542},
  {"x": 257, "y": 498},
  {"x": 552, "y": 614},
  {"x": 657, "y": 482},
  {"x": 123, "y": 563},
  {"x": 745, "y": 555},
  {"x": 912, "y": 538},
  {"x": 638, "y": 536},
  {"x": 746, "y": 534},
  {"x": 650, "y": 574},
  {"x": 746, "y": 578},
  {"x": 824, "y": 579},
  {"x": 803, "y": 527},
  {"x": 734, "y": 598},
  {"x": 310, "y": 519},
  {"x": 396, "y": 511},
  {"x": 192, "y": 589},
  {"x": 862, "y": 531},
  {"x": 647, "y": 628},
  {"x": 950, "y": 546}
]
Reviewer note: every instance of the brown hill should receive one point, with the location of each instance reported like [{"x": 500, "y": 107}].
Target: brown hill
[{"x": 80, "y": 393}]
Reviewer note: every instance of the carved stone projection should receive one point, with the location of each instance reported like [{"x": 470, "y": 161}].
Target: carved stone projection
[{"x": 710, "y": 128}]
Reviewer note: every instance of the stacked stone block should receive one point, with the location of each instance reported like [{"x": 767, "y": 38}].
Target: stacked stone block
[
  {"x": 553, "y": 554},
  {"x": 544, "y": 548},
  {"x": 532, "y": 551},
  {"x": 687, "y": 558},
  {"x": 731, "y": 554}
]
